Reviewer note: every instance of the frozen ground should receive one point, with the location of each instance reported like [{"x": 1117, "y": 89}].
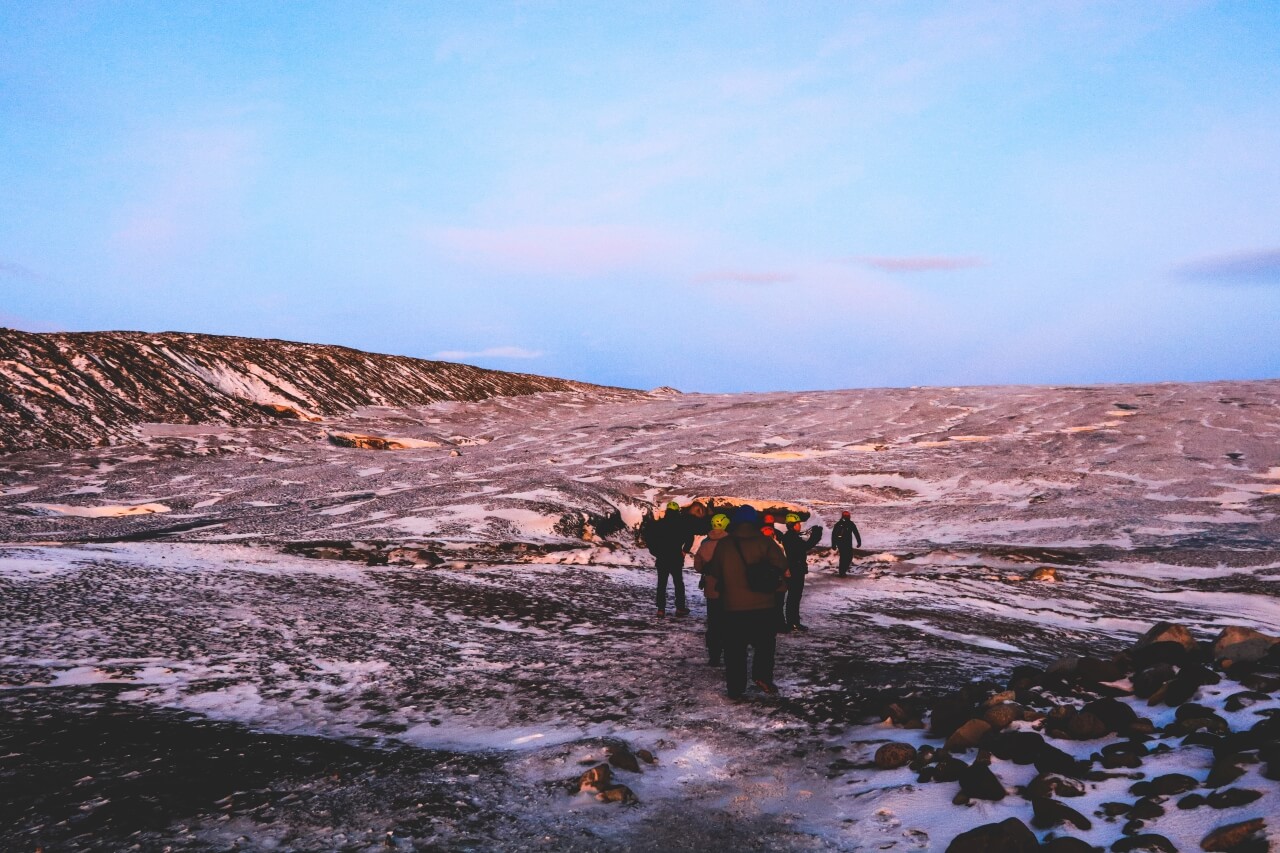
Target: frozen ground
[{"x": 308, "y": 646}]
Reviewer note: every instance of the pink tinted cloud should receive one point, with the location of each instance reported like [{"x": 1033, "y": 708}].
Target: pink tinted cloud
[
  {"x": 744, "y": 277},
  {"x": 925, "y": 263},
  {"x": 568, "y": 250}
]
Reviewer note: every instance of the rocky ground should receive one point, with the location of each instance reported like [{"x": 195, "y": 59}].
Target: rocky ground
[{"x": 256, "y": 638}]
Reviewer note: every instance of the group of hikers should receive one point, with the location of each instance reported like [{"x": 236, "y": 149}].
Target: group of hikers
[{"x": 752, "y": 574}]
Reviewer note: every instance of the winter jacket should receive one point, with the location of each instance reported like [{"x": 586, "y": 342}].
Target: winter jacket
[
  {"x": 798, "y": 546},
  {"x": 708, "y": 547},
  {"x": 843, "y": 532},
  {"x": 669, "y": 536},
  {"x": 727, "y": 573}
]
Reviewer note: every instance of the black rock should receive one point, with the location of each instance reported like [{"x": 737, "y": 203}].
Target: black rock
[
  {"x": 1147, "y": 681},
  {"x": 1191, "y": 801},
  {"x": 1018, "y": 747},
  {"x": 1008, "y": 836},
  {"x": 1049, "y": 813},
  {"x": 1148, "y": 842},
  {"x": 1095, "y": 671},
  {"x": 1115, "y": 714},
  {"x": 1166, "y": 785},
  {"x": 949, "y": 769},
  {"x": 1224, "y": 772},
  {"x": 1053, "y": 760},
  {"x": 1024, "y": 677},
  {"x": 1067, "y": 844},
  {"x": 980, "y": 783},
  {"x": 1232, "y": 797},
  {"x": 1159, "y": 654},
  {"x": 1146, "y": 808}
]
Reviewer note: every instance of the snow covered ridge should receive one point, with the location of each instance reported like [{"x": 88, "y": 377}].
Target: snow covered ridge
[{"x": 81, "y": 389}]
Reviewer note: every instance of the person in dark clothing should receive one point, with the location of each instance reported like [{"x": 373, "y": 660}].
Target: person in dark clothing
[
  {"x": 748, "y": 619},
  {"x": 797, "y": 547},
  {"x": 668, "y": 539},
  {"x": 842, "y": 536},
  {"x": 769, "y": 528}
]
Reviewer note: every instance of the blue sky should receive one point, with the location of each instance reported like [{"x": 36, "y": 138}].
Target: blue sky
[{"x": 715, "y": 196}]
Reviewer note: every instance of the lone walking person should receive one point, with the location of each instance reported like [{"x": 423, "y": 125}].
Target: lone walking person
[
  {"x": 749, "y": 622},
  {"x": 842, "y": 536},
  {"x": 668, "y": 539}
]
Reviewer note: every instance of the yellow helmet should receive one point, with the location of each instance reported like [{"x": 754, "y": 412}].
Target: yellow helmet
[
  {"x": 792, "y": 518},
  {"x": 673, "y": 506},
  {"x": 719, "y": 521}
]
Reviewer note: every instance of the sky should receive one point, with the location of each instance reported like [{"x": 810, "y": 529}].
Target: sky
[{"x": 711, "y": 196}]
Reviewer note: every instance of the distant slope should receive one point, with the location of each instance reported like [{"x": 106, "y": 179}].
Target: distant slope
[{"x": 80, "y": 389}]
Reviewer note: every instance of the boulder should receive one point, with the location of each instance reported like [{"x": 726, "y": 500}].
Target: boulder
[
  {"x": 1025, "y": 677},
  {"x": 1148, "y": 680},
  {"x": 1146, "y": 808},
  {"x": 968, "y": 735},
  {"x": 1224, "y": 838},
  {"x": 617, "y": 794},
  {"x": 1053, "y": 760},
  {"x": 1166, "y": 652},
  {"x": 596, "y": 779},
  {"x": 1164, "y": 786},
  {"x": 1049, "y": 813},
  {"x": 1000, "y": 716},
  {"x": 1045, "y": 574},
  {"x": 1067, "y": 844},
  {"x": 1149, "y": 842},
  {"x": 621, "y": 757},
  {"x": 1167, "y": 632},
  {"x": 1008, "y": 836},
  {"x": 979, "y": 783},
  {"x": 891, "y": 756},
  {"x": 1192, "y": 801},
  {"x": 1117, "y": 715},
  {"x": 1097, "y": 671},
  {"x": 1018, "y": 747},
  {"x": 948, "y": 714},
  {"x": 1086, "y": 726},
  {"x": 1232, "y": 797},
  {"x": 1054, "y": 785},
  {"x": 1239, "y": 644},
  {"x": 949, "y": 769}
]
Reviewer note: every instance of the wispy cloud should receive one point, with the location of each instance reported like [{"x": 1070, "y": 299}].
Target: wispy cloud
[
  {"x": 925, "y": 263},
  {"x": 567, "y": 250},
  {"x": 491, "y": 352},
  {"x": 1259, "y": 267},
  {"x": 744, "y": 277},
  {"x": 13, "y": 270}
]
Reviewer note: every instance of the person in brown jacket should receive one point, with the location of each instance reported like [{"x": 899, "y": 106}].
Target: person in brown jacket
[
  {"x": 715, "y": 615},
  {"x": 748, "y": 618}
]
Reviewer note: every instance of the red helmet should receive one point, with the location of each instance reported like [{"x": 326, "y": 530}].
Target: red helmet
[{"x": 844, "y": 514}]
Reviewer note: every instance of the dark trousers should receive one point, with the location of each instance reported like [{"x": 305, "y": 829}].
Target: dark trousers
[
  {"x": 795, "y": 591},
  {"x": 671, "y": 567},
  {"x": 780, "y": 608},
  {"x": 715, "y": 629},
  {"x": 743, "y": 629},
  {"x": 846, "y": 559}
]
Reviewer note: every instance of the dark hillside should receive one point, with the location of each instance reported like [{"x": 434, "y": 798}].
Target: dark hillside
[{"x": 82, "y": 389}]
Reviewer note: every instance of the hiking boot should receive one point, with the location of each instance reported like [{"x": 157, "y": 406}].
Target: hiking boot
[
  {"x": 682, "y": 611},
  {"x": 662, "y": 614},
  {"x": 767, "y": 686},
  {"x": 799, "y": 627}
]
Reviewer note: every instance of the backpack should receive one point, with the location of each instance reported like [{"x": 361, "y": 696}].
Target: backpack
[{"x": 763, "y": 576}]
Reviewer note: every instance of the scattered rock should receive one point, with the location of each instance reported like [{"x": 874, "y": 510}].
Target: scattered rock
[
  {"x": 968, "y": 736},
  {"x": 618, "y": 794},
  {"x": 596, "y": 779},
  {"x": 1053, "y": 760},
  {"x": 1146, "y": 808},
  {"x": 1191, "y": 801},
  {"x": 1008, "y": 836},
  {"x": 1165, "y": 786},
  {"x": 893, "y": 755},
  {"x": 1224, "y": 772},
  {"x": 1054, "y": 785},
  {"x": 1232, "y": 797},
  {"x": 1239, "y": 644},
  {"x": 1147, "y": 681},
  {"x": 1000, "y": 716},
  {"x": 979, "y": 783},
  {"x": 1151, "y": 841},
  {"x": 1224, "y": 838},
  {"x": 1067, "y": 844},
  {"x": 1018, "y": 747},
  {"x": 1086, "y": 726},
  {"x": 1167, "y": 632},
  {"x": 1047, "y": 574},
  {"x": 1049, "y": 813},
  {"x": 621, "y": 757},
  {"x": 1117, "y": 715},
  {"x": 646, "y": 756},
  {"x": 1098, "y": 671}
]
